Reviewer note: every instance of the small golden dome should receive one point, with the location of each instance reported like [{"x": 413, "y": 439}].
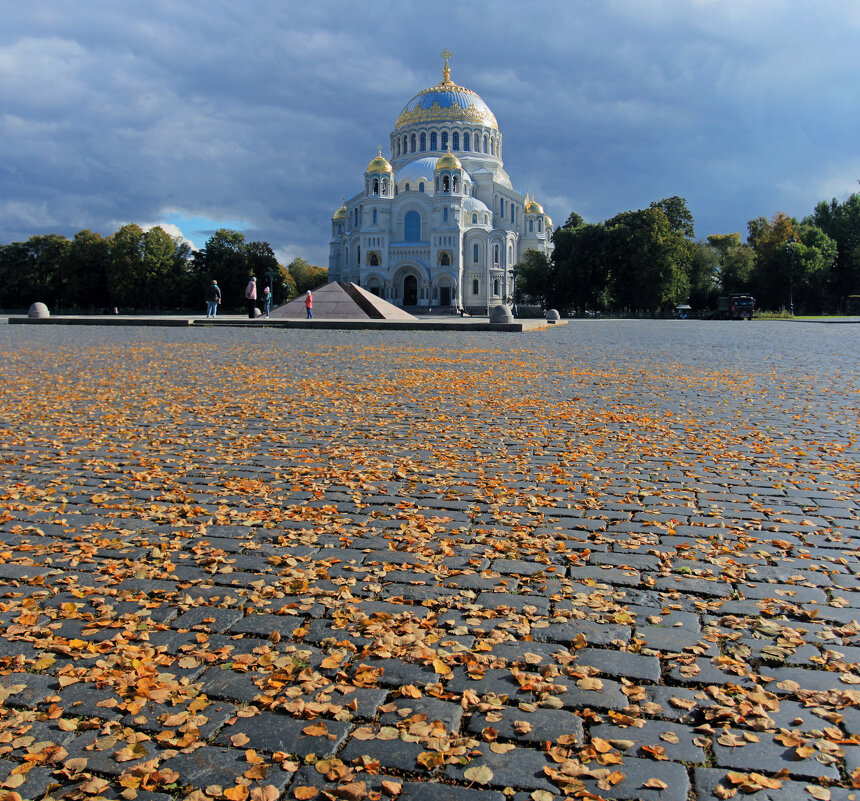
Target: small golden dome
[
  {"x": 449, "y": 162},
  {"x": 379, "y": 164},
  {"x": 533, "y": 207},
  {"x": 340, "y": 214}
]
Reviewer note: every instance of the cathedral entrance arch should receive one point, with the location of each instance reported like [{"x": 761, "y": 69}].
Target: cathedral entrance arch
[{"x": 410, "y": 291}]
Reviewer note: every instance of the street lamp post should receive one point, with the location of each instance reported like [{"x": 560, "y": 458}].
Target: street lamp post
[
  {"x": 789, "y": 247},
  {"x": 514, "y": 289}
]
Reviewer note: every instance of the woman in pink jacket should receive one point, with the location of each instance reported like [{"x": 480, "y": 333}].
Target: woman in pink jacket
[
  {"x": 309, "y": 305},
  {"x": 251, "y": 296}
]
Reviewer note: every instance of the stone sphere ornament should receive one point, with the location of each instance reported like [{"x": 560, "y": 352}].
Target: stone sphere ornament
[{"x": 38, "y": 310}]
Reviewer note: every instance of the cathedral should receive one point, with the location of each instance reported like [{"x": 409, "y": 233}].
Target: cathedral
[{"x": 438, "y": 225}]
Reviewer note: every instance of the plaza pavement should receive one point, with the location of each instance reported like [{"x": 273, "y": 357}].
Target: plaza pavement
[{"x": 614, "y": 559}]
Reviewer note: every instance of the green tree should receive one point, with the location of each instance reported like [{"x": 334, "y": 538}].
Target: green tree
[
  {"x": 86, "y": 271},
  {"x": 647, "y": 261},
  {"x": 535, "y": 279},
  {"x": 703, "y": 274},
  {"x": 125, "y": 269},
  {"x": 307, "y": 276},
  {"x": 580, "y": 279},
  {"x": 841, "y": 222},
  {"x": 574, "y": 220},
  {"x": 679, "y": 216},
  {"x": 224, "y": 258},
  {"x": 736, "y": 263}
]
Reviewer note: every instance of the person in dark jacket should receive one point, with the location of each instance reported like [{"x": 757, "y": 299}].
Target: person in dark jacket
[{"x": 213, "y": 298}]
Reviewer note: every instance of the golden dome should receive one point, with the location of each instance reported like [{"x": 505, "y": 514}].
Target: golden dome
[
  {"x": 340, "y": 214},
  {"x": 533, "y": 207},
  {"x": 379, "y": 164},
  {"x": 449, "y": 162}
]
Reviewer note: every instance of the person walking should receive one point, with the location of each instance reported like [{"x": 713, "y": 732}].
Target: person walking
[
  {"x": 251, "y": 296},
  {"x": 213, "y": 298},
  {"x": 309, "y": 305},
  {"x": 267, "y": 301}
]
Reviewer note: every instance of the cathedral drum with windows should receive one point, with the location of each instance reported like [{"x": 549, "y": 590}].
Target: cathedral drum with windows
[{"x": 439, "y": 226}]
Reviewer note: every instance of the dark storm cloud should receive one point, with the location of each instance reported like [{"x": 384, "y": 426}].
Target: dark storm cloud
[{"x": 267, "y": 112}]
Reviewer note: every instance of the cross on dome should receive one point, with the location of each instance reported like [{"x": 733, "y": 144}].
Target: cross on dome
[{"x": 446, "y": 71}]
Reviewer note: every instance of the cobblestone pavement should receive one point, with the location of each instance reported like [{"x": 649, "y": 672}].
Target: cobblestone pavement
[{"x": 614, "y": 560}]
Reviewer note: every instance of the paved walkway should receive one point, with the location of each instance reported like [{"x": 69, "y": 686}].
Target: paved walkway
[{"x": 610, "y": 560}]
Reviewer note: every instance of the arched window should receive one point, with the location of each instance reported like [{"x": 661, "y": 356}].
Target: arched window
[
  {"x": 433, "y": 140},
  {"x": 444, "y": 259},
  {"x": 454, "y": 184},
  {"x": 531, "y": 226},
  {"x": 485, "y": 143},
  {"x": 465, "y": 141},
  {"x": 413, "y": 143},
  {"x": 445, "y": 183},
  {"x": 445, "y": 215},
  {"x": 405, "y": 144},
  {"x": 421, "y": 186},
  {"x": 384, "y": 186},
  {"x": 358, "y": 254},
  {"x": 412, "y": 227},
  {"x": 474, "y": 219},
  {"x": 540, "y": 225},
  {"x": 356, "y": 217},
  {"x": 474, "y": 286},
  {"x": 444, "y": 139},
  {"x": 374, "y": 217},
  {"x": 492, "y": 147},
  {"x": 376, "y": 186},
  {"x": 373, "y": 260},
  {"x": 406, "y": 187},
  {"x": 512, "y": 212},
  {"x": 423, "y": 142},
  {"x": 396, "y": 147},
  {"x": 475, "y": 253},
  {"x": 496, "y": 255},
  {"x": 501, "y": 205},
  {"x": 455, "y": 141},
  {"x": 496, "y": 287}
]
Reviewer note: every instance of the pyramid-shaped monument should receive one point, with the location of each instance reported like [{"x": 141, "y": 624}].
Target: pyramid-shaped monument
[{"x": 336, "y": 301}]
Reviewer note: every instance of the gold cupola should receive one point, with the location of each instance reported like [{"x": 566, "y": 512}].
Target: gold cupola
[
  {"x": 448, "y": 162},
  {"x": 379, "y": 164}
]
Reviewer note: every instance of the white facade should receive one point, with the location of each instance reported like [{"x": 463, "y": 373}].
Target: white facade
[{"x": 439, "y": 224}]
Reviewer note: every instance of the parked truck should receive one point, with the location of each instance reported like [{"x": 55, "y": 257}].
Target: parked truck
[{"x": 735, "y": 307}]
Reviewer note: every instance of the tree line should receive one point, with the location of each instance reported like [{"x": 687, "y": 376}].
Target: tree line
[
  {"x": 648, "y": 262},
  {"x": 137, "y": 270}
]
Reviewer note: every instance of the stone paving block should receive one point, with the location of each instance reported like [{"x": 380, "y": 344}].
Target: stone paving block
[
  {"x": 230, "y": 685},
  {"x": 639, "y": 771},
  {"x": 545, "y": 724},
  {"x": 788, "y": 680},
  {"x": 677, "y": 740},
  {"x": 85, "y": 699},
  {"x": 273, "y": 731},
  {"x": 100, "y": 751},
  {"x": 207, "y": 618},
  {"x": 28, "y": 689},
  {"x": 528, "y": 604},
  {"x": 522, "y": 768},
  {"x": 394, "y": 755},
  {"x": 767, "y": 755},
  {"x": 620, "y": 663},
  {"x": 211, "y": 765},
  {"x": 155, "y": 718},
  {"x": 263, "y": 624},
  {"x": 434, "y": 791},
  {"x": 594, "y": 633},
  {"x": 614, "y": 576},
  {"x": 706, "y": 781}
]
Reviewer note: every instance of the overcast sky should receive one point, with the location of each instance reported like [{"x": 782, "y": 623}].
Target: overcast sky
[{"x": 261, "y": 115}]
